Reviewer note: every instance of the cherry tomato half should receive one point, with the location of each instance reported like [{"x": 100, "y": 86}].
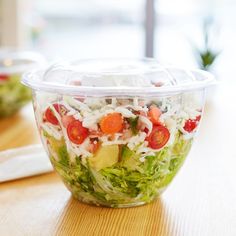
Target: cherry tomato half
[
  {"x": 158, "y": 137},
  {"x": 49, "y": 115},
  {"x": 191, "y": 124},
  {"x": 76, "y": 132}
]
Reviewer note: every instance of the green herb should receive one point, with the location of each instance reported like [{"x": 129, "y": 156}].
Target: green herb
[{"x": 133, "y": 124}]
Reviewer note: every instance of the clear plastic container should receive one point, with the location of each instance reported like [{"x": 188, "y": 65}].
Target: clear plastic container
[
  {"x": 117, "y": 131},
  {"x": 14, "y": 95}
]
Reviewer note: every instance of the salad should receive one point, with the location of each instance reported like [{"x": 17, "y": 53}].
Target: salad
[
  {"x": 13, "y": 95},
  {"x": 117, "y": 130},
  {"x": 117, "y": 151}
]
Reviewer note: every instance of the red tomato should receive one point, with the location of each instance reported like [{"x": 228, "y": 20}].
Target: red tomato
[
  {"x": 49, "y": 115},
  {"x": 66, "y": 120},
  {"x": 158, "y": 137},
  {"x": 191, "y": 124},
  {"x": 76, "y": 132},
  {"x": 146, "y": 130},
  {"x": 198, "y": 118},
  {"x": 3, "y": 77}
]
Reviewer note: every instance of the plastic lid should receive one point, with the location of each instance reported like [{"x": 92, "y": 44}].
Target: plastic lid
[
  {"x": 12, "y": 61},
  {"x": 117, "y": 77}
]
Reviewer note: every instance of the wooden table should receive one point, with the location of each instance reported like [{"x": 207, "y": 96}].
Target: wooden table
[{"x": 200, "y": 201}]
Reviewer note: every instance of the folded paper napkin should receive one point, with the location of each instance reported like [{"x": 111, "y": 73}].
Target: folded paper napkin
[{"x": 23, "y": 162}]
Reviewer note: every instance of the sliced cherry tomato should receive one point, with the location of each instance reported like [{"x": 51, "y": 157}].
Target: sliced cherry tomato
[
  {"x": 146, "y": 130},
  {"x": 198, "y": 118},
  {"x": 76, "y": 132},
  {"x": 191, "y": 124},
  {"x": 111, "y": 123},
  {"x": 66, "y": 120},
  {"x": 154, "y": 114},
  {"x": 49, "y": 115},
  {"x": 158, "y": 137},
  {"x": 3, "y": 77}
]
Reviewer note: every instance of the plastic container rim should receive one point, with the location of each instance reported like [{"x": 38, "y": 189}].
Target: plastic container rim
[{"x": 30, "y": 79}]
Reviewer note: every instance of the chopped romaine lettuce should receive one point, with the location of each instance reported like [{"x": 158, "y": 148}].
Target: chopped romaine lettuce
[
  {"x": 63, "y": 155},
  {"x": 128, "y": 181}
]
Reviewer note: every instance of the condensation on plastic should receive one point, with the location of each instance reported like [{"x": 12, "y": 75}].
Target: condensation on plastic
[
  {"x": 64, "y": 78},
  {"x": 13, "y": 61}
]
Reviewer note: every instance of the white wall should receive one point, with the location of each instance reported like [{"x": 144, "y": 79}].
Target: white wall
[{"x": 13, "y": 29}]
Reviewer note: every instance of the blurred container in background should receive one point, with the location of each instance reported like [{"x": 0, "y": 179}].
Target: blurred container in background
[{"x": 13, "y": 94}]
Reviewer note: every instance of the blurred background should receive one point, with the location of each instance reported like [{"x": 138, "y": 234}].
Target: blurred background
[{"x": 186, "y": 33}]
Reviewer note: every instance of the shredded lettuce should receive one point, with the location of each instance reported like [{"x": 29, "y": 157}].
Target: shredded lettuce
[
  {"x": 127, "y": 182},
  {"x": 63, "y": 155}
]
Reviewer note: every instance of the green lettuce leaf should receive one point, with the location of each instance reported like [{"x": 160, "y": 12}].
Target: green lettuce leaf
[{"x": 126, "y": 182}]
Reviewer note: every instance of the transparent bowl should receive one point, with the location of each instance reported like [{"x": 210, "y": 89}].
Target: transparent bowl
[
  {"x": 117, "y": 131},
  {"x": 14, "y": 95}
]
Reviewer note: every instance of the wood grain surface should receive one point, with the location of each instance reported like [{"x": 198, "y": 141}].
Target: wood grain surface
[
  {"x": 200, "y": 201},
  {"x": 18, "y": 130}
]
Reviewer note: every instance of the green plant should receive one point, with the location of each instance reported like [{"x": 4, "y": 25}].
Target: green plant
[{"x": 207, "y": 55}]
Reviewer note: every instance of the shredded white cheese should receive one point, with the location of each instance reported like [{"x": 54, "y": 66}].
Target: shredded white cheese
[
  {"x": 82, "y": 149},
  {"x": 95, "y": 103},
  {"x": 135, "y": 140},
  {"x": 106, "y": 140},
  {"x": 135, "y": 102},
  {"x": 125, "y": 112},
  {"x": 113, "y": 102},
  {"x": 147, "y": 123},
  {"x": 91, "y": 119},
  {"x": 52, "y": 131},
  {"x": 76, "y": 104},
  {"x": 172, "y": 127},
  {"x": 137, "y": 108},
  {"x": 71, "y": 111}
]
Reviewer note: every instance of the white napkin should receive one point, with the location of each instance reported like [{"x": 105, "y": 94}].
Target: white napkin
[{"x": 23, "y": 162}]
